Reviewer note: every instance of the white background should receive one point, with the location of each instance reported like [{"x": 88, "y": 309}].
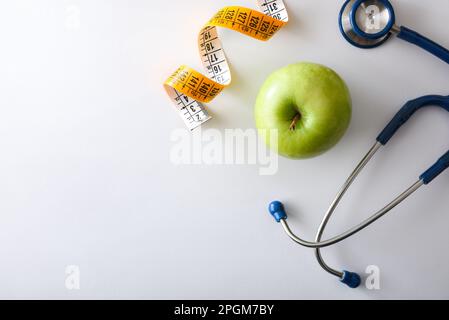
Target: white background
[{"x": 86, "y": 178}]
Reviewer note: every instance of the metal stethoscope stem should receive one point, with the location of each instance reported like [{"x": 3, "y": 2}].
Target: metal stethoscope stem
[
  {"x": 395, "y": 30},
  {"x": 334, "y": 205},
  {"x": 326, "y": 243}
]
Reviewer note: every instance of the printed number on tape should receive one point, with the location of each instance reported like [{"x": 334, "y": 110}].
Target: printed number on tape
[{"x": 188, "y": 89}]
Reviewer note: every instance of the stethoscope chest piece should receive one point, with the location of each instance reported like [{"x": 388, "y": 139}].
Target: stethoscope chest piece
[{"x": 366, "y": 23}]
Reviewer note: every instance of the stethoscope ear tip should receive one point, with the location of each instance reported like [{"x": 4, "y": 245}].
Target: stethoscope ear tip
[
  {"x": 276, "y": 209},
  {"x": 351, "y": 279}
]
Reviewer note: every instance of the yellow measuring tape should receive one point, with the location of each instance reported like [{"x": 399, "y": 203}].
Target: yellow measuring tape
[{"x": 188, "y": 88}]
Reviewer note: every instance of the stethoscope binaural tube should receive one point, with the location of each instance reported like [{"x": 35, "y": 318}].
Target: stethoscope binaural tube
[
  {"x": 369, "y": 23},
  {"x": 353, "y": 280}
]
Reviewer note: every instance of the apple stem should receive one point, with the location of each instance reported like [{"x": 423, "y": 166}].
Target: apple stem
[{"x": 295, "y": 121}]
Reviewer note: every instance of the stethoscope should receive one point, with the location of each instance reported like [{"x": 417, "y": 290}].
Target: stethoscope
[{"x": 368, "y": 24}]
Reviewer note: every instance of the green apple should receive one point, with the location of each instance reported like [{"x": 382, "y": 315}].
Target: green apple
[{"x": 310, "y": 107}]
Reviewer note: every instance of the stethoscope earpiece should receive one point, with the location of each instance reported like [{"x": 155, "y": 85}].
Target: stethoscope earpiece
[
  {"x": 276, "y": 209},
  {"x": 351, "y": 279}
]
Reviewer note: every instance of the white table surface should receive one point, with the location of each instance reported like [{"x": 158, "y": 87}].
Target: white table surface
[{"x": 86, "y": 178}]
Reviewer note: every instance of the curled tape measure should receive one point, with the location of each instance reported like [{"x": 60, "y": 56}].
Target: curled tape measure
[{"x": 188, "y": 89}]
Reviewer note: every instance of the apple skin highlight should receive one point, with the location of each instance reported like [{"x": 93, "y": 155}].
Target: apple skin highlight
[{"x": 310, "y": 106}]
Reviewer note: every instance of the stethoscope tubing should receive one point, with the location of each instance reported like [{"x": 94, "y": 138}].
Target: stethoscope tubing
[{"x": 423, "y": 42}]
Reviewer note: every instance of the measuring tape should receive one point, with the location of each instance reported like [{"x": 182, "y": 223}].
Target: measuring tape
[{"x": 188, "y": 88}]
